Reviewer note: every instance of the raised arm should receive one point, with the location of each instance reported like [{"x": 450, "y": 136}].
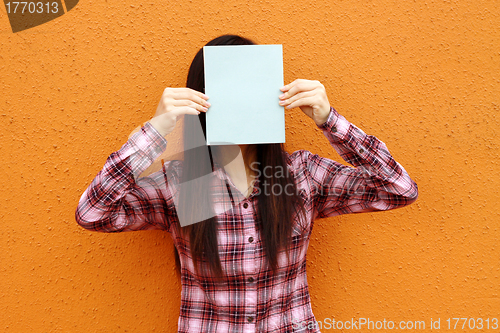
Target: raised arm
[
  {"x": 374, "y": 182},
  {"x": 117, "y": 200}
]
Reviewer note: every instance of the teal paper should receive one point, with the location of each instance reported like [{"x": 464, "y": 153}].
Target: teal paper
[{"x": 243, "y": 85}]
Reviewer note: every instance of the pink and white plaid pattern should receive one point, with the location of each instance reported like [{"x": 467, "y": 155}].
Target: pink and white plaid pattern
[{"x": 250, "y": 298}]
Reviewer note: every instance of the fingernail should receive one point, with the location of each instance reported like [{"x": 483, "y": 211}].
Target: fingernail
[
  {"x": 208, "y": 104},
  {"x": 282, "y": 95},
  {"x": 282, "y": 102}
]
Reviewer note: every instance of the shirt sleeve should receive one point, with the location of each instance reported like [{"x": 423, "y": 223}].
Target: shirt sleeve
[
  {"x": 117, "y": 200},
  {"x": 374, "y": 182}
]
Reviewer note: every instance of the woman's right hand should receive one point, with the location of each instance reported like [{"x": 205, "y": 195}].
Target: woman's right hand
[{"x": 175, "y": 102}]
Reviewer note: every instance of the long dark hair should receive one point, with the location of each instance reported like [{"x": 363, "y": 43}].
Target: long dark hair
[{"x": 275, "y": 213}]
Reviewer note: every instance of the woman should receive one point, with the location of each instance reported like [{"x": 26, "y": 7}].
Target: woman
[{"x": 243, "y": 266}]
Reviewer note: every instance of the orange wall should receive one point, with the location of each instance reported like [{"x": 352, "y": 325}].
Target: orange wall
[{"x": 423, "y": 76}]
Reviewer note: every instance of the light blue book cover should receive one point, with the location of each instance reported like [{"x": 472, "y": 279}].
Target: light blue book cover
[{"x": 243, "y": 85}]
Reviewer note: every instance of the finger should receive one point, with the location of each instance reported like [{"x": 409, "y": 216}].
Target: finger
[
  {"x": 199, "y": 94},
  {"x": 300, "y": 86},
  {"x": 189, "y": 95},
  {"x": 288, "y": 86},
  {"x": 184, "y": 110},
  {"x": 192, "y": 91},
  {"x": 307, "y": 101},
  {"x": 297, "y": 97},
  {"x": 186, "y": 102}
]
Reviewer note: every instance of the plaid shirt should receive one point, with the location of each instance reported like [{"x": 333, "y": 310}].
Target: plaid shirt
[{"x": 250, "y": 299}]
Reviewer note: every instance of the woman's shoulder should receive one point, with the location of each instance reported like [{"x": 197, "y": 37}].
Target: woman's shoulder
[
  {"x": 298, "y": 158},
  {"x": 298, "y": 163}
]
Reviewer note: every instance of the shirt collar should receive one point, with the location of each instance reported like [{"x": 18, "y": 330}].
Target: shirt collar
[{"x": 221, "y": 173}]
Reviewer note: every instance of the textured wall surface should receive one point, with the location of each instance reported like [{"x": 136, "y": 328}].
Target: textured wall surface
[{"x": 423, "y": 76}]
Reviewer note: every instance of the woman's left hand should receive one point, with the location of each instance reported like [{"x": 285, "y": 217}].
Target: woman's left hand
[{"x": 310, "y": 96}]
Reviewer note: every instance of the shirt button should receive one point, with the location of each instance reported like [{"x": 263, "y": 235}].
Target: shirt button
[
  {"x": 250, "y": 239},
  {"x": 250, "y": 319},
  {"x": 250, "y": 279},
  {"x": 361, "y": 151},
  {"x": 334, "y": 129},
  {"x": 245, "y": 205}
]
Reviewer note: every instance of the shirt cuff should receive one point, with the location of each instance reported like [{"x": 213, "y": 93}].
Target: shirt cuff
[
  {"x": 336, "y": 126},
  {"x": 146, "y": 145},
  {"x": 150, "y": 141}
]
